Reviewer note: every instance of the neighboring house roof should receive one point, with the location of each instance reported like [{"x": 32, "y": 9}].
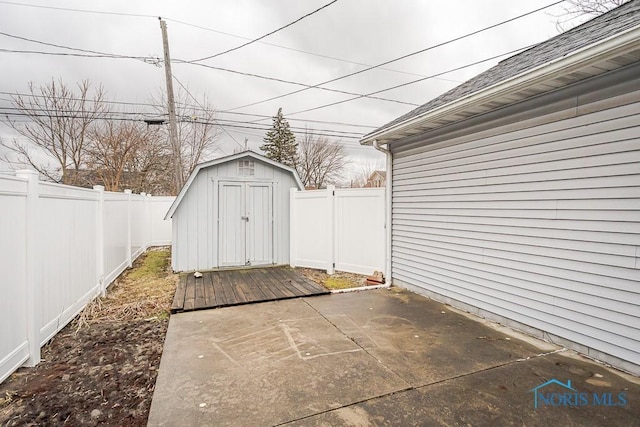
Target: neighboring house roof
[
  {"x": 607, "y": 42},
  {"x": 376, "y": 176},
  {"x": 226, "y": 159}
]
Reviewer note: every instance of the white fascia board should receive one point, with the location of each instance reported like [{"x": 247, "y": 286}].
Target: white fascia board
[{"x": 609, "y": 47}]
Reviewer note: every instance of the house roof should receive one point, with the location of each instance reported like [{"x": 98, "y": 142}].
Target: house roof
[
  {"x": 605, "y": 43},
  {"x": 226, "y": 159}
]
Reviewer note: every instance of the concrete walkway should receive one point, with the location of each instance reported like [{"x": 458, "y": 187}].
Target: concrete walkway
[{"x": 384, "y": 357}]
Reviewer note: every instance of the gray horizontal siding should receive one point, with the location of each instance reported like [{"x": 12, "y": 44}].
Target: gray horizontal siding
[
  {"x": 539, "y": 225},
  {"x": 195, "y": 221}
]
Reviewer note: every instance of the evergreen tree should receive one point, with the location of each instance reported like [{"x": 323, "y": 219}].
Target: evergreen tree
[{"x": 280, "y": 143}]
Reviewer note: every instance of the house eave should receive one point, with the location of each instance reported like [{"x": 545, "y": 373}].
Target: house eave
[{"x": 602, "y": 57}]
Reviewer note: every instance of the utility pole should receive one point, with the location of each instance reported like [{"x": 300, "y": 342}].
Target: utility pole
[{"x": 173, "y": 129}]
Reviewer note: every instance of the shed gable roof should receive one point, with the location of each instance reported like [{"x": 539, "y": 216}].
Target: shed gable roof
[
  {"x": 604, "y": 27},
  {"x": 226, "y": 159}
]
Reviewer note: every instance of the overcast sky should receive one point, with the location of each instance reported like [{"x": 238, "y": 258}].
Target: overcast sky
[{"x": 340, "y": 39}]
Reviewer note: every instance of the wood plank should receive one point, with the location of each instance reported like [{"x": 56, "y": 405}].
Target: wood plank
[
  {"x": 256, "y": 293},
  {"x": 178, "y": 298},
  {"x": 209, "y": 291},
  {"x": 291, "y": 286},
  {"x": 198, "y": 285},
  {"x": 253, "y": 291},
  {"x": 240, "y": 289},
  {"x": 219, "y": 297},
  {"x": 189, "y": 299},
  {"x": 261, "y": 278},
  {"x": 233, "y": 287},
  {"x": 285, "y": 286},
  {"x": 226, "y": 284},
  {"x": 270, "y": 293},
  {"x": 312, "y": 287}
]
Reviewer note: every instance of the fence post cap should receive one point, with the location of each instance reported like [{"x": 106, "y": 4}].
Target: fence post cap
[
  {"x": 127, "y": 191},
  {"x": 25, "y": 173},
  {"x": 98, "y": 187}
]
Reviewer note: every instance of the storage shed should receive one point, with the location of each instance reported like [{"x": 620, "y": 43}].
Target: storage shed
[
  {"x": 233, "y": 211},
  {"x": 516, "y": 195}
]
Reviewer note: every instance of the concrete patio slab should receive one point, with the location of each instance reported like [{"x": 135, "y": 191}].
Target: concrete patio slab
[
  {"x": 261, "y": 364},
  {"x": 384, "y": 357},
  {"x": 499, "y": 396},
  {"x": 422, "y": 340}
]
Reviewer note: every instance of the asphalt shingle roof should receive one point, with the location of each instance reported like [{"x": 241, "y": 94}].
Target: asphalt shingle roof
[{"x": 603, "y": 26}]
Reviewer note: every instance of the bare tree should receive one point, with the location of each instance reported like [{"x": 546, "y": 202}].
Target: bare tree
[
  {"x": 59, "y": 121},
  {"x": 120, "y": 151},
  {"x": 198, "y": 133},
  {"x": 577, "y": 8},
  {"x": 363, "y": 172},
  {"x": 320, "y": 161}
]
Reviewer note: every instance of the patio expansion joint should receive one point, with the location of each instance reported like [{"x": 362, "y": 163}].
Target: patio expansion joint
[
  {"x": 490, "y": 368},
  {"x": 361, "y": 347},
  {"x": 410, "y": 387},
  {"x": 326, "y": 411}
]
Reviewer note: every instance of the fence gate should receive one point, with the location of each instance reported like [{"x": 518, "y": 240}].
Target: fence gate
[{"x": 338, "y": 229}]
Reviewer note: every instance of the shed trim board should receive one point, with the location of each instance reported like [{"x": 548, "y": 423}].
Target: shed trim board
[
  {"x": 209, "y": 234},
  {"x": 520, "y": 201}
]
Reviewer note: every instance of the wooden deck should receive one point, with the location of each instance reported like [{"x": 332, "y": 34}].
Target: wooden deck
[{"x": 234, "y": 287}]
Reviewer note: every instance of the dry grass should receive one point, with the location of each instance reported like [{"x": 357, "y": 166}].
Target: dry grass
[
  {"x": 143, "y": 293},
  {"x": 339, "y": 280}
]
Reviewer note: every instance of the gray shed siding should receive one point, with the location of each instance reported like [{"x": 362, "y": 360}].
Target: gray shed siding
[
  {"x": 535, "y": 222},
  {"x": 195, "y": 221}
]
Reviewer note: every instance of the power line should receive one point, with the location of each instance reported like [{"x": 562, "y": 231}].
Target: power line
[
  {"x": 13, "y": 36},
  {"x": 414, "y": 81},
  {"x": 306, "y": 52},
  {"x": 137, "y": 117},
  {"x": 189, "y": 106},
  {"x": 201, "y": 106},
  {"x": 207, "y": 29},
  {"x": 146, "y": 59},
  {"x": 266, "y": 35},
  {"x": 137, "y": 15},
  {"x": 155, "y": 61},
  {"x": 275, "y": 79},
  {"x": 299, "y": 120},
  {"x": 403, "y": 56}
]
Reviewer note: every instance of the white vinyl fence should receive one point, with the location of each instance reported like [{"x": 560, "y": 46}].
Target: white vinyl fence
[
  {"x": 340, "y": 230},
  {"x": 60, "y": 247}
]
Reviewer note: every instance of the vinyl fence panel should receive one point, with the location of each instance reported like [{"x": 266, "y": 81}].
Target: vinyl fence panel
[
  {"x": 359, "y": 230},
  {"x": 66, "y": 254},
  {"x": 14, "y": 342},
  {"x": 338, "y": 229},
  {"x": 61, "y": 247}
]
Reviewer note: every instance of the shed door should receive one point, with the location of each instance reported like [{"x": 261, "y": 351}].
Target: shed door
[{"x": 245, "y": 223}]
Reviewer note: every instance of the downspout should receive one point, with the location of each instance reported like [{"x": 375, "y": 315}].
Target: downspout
[{"x": 387, "y": 214}]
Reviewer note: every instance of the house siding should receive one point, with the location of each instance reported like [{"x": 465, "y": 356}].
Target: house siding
[
  {"x": 536, "y": 222},
  {"x": 195, "y": 221}
]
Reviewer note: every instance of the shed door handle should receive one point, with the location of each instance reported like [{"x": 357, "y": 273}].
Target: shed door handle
[{"x": 244, "y": 218}]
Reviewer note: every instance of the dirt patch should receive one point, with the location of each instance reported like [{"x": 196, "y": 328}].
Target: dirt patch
[
  {"x": 101, "y": 368},
  {"x": 338, "y": 280}
]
